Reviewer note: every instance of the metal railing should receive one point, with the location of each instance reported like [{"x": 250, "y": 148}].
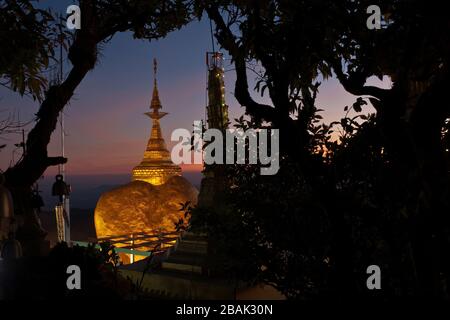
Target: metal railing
[{"x": 131, "y": 243}]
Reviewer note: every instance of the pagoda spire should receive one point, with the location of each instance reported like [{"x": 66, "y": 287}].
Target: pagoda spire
[
  {"x": 215, "y": 181},
  {"x": 157, "y": 166},
  {"x": 156, "y": 103},
  {"x": 217, "y": 109}
]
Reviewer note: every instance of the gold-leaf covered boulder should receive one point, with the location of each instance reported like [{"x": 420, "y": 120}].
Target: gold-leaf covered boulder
[{"x": 142, "y": 207}]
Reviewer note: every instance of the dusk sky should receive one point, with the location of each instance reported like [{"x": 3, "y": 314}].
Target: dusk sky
[{"x": 105, "y": 126}]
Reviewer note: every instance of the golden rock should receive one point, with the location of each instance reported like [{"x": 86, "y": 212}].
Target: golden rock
[{"x": 142, "y": 207}]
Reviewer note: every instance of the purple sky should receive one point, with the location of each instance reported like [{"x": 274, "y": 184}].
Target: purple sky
[{"x": 105, "y": 126}]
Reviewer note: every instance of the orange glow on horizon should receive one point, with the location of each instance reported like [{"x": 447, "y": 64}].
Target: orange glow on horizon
[
  {"x": 80, "y": 170},
  {"x": 191, "y": 167}
]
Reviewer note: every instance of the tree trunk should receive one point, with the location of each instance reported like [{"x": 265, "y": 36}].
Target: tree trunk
[{"x": 21, "y": 177}]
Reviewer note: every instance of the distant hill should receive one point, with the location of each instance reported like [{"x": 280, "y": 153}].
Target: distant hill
[{"x": 86, "y": 189}]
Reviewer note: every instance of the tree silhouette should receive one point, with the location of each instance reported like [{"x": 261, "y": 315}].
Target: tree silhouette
[
  {"x": 380, "y": 193},
  {"x": 375, "y": 194}
]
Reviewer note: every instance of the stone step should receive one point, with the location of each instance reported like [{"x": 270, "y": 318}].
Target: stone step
[
  {"x": 191, "y": 247},
  {"x": 182, "y": 267},
  {"x": 184, "y": 262},
  {"x": 194, "y": 234},
  {"x": 194, "y": 241},
  {"x": 172, "y": 284},
  {"x": 192, "y": 237}
]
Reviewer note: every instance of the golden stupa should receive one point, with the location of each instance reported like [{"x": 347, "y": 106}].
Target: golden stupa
[
  {"x": 156, "y": 167},
  {"x": 150, "y": 203}
]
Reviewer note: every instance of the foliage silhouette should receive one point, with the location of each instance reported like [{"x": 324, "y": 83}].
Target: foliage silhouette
[{"x": 378, "y": 194}]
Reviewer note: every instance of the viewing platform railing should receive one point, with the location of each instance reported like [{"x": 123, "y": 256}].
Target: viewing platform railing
[{"x": 131, "y": 243}]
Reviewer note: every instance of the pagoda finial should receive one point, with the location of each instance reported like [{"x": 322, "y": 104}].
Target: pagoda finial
[
  {"x": 156, "y": 167},
  {"x": 156, "y": 103}
]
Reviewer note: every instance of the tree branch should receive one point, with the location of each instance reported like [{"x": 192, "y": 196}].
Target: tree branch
[
  {"x": 354, "y": 83},
  {"x": 54, "y": 161}
]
